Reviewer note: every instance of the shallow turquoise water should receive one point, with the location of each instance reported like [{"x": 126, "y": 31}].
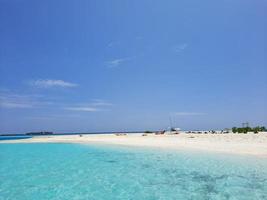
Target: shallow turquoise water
[{"x": 73, "y": 171}]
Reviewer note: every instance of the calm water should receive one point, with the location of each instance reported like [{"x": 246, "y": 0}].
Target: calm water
[
  {"x": 14, "y": 137},
  {"x": 76, "y": 172}
]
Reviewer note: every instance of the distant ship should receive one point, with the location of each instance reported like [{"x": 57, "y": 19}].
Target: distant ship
[{"x": 40, "y": 133}]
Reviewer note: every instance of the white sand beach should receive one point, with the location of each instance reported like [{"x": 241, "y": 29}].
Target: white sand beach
[{"x": 247, "y": 144}]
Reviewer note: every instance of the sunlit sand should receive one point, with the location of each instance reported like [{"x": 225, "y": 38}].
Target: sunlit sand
[{"x": 248, "y": 144}]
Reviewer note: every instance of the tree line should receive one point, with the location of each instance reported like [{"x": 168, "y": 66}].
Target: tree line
[{"x": 248, "y": 129}]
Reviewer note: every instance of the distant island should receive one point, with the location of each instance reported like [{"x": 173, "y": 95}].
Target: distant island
[{"x": 40, "y": 133}]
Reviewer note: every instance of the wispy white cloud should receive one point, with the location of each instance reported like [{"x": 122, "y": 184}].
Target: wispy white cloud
[
  {"x": 8, "y": 100},
  {"x": 85, "y": 109},
  {"x": 95, "y": 106},
  {"x": 180, "y": 47},
  {"x": 117, "y": 62},
  {"x": 14, "y": 105},
  {"x": 100, "y": 102},
  {"x": 54, "y": 117},
  {"x": 188, "y": 113},
  {"x": 48, "y": 83},
  {"x": 13, "y": 101}
]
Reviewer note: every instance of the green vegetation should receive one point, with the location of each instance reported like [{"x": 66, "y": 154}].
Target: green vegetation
[
  {"x": 248, "y": 129},
  {"x": 148, "y": 132}
]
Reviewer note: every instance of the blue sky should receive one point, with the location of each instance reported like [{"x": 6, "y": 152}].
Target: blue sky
[{"x": 130, "y": 65}]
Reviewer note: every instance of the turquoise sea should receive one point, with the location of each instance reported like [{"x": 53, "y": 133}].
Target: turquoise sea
[{"x": 91, "y": 172}]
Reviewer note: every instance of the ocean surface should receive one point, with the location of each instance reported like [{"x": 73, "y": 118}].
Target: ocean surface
[
  {"x": 14, "y": 137},
  {"x": 90, "y": 172}
]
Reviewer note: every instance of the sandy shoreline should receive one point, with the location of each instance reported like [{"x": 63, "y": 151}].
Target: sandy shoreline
[{"x": 246, "y": 144}]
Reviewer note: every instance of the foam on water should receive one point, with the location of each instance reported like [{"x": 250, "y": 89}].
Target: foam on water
[{"x": 72, "y": 171}]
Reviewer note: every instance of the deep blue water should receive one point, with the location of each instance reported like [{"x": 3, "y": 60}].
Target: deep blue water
[
  {"x": 14, "y": 137},
  {"x": 79, "y": 172}
]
